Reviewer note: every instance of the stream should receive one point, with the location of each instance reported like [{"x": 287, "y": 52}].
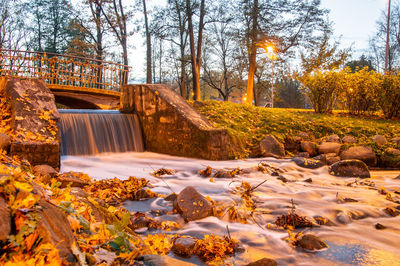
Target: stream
[{"x": 352, "y": 237}]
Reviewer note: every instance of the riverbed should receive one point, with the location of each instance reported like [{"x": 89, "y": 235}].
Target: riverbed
[{"x": 352, "y": 237}]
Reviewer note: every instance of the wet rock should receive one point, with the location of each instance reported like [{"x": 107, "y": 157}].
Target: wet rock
[
  {"x": 70, "y": 178},
  {"x": 292, "y": 144},
  {"x": 305, "y": 135},
  {"x": 192, "y": 205},
  {"x": 5, "y": 220},
  {"x": 379, "y": 226},
  {"x": 184, "y": 246},
  {"x": 282, "y": 178},
  {"x": 5, "y": 142},
  {"x": 362, "y": 153},
  {"x": 270, "y": 146},
  {"x": 350, "y": 168},
  {"x": 329, "y": 147},
  {"x": 333, "y": 138},
  {"x": 311, "y": 242},
  {"x": 323, "y": 220},
  {"x": 171, "y": 197},
  {"x": 303, "y": 154},
  {"x": 397, "y": 178},
  {"x": 391, "y": 158},
  {"x": 392, "y": 211},
  {"x": 263, "y": 262},
  {"x": 308, "y": 180},
  {"x": 396, "y": 141},
  {"x": 309, "y": 147},
  {"x": 45, "y": 171},
  {"x": 159, "y": 260},
  {"x": 307, "y": 163},
  {"x": 348, "y": 139},
  {"x": 53, "y": 227},
  {"x": 344, "y": 218},
  {"x": 332, "y": 158},
  {"x": 379, "y": 140}
]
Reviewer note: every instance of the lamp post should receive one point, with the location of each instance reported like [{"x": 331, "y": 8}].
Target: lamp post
[{"x": 272, "y": 56}]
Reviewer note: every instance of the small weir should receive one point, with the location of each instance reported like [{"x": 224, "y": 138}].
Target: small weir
[{"x": 89, "y": 132}]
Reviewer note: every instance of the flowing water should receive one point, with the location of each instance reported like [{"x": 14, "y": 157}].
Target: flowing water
[
  {"x": 352, "y": 239},
  {"x": 89, "y": 132}
]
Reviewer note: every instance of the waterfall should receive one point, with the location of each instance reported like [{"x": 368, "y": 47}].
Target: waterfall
[{"x": 88, "y": 132}]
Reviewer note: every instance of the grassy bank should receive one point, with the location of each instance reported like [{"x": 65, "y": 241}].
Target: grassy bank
[{"x": 252, "y": 123}]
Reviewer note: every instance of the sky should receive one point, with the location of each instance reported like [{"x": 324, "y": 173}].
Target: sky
[{"x": 354, "y": 22}]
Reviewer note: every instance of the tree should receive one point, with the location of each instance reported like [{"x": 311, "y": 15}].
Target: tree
[
  {"x": 323, "y": 55},
  {"x": 195, "y": 56},
  {"x": 170, "y": 24},
  {"x": 148, "y": 44},
  {"x": 286, "y": 23},
  {"x": 378, "y": 41},
  {"x": 356, "y": 65},
  {"x": 288, "y": 93},
  {"x": 12, "y": 30},
  {"x": 219, "y": 60},
  {"x": 117, "y": 18}
]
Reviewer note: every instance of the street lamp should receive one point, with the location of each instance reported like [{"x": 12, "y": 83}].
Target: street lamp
[{"x": 270, "y": 49}]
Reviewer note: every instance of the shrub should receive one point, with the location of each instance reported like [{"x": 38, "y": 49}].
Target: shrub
[
  {"x": 361, "y": 90},
  {"x": 323, "y": 89},
  {"x": 389, "y": 95}
]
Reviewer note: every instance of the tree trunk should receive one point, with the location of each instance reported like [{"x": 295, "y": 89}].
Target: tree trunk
[
  {"x": 252, "y": 55},
  {"x": 192, "y": 52},
  {"x": 148, "y": 45}
]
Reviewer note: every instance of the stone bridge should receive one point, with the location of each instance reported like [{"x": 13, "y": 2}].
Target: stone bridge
[{"x": 76, "y": 82}]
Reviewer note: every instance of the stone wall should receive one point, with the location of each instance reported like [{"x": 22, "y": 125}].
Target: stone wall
[
  {"x": 171, "y": 126},
  {"x": 33, "y": 111}
]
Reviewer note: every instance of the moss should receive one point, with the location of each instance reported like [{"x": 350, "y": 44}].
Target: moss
[{"x": 250, "y": 124}]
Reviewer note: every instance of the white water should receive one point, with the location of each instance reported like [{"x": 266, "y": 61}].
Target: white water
[{"x": 355, "y": 243}]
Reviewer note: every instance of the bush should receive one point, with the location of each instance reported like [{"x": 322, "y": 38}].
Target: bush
[
  {"x": 389, "y": 95},
  {"x": 323, "y": 88},
  {"x": 361, "y": 90}
]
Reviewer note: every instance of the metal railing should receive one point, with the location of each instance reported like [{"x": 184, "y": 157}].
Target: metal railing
[{"x": 64, "y": 71}]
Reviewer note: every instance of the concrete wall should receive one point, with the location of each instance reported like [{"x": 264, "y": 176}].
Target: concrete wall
[
  {"x": 29, "y": 98},
  {"x": 171, "y": 126}
]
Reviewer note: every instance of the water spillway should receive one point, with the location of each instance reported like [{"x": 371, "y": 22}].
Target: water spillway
[{"x": 89, "y": 132}]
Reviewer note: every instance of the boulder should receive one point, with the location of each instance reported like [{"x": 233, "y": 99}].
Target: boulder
[
  {"x": 160, "y": 260},
  {"x": 184, "y": 246},
  {"x": 72, "y": 179},
  {"x": 391, "y": 158},
  {"x": 329, "y": 147},
  {"x": 5, "y": 220},
  {"x": 348, "y": 139},
  {"x": 305, "y": 135},
  {"x": 5, "y": 142},
  {"x": 303, "y": 154},
  {"x": 45, "y": 171},
  {"x": 362, "y": 153},
  {"x": 332, "y": 158},
  {"x": 333, "y": 138},
  {"x": 396, "y": 141},
  {"x": 350, "y": 168},
  {"x": 311, "y": 242},
  {"x": 270, "y": 146},
  {"x": 292, "y": 144},
  {"x": 344, "y": 217},
  {"x": 53, "y": 227},
  {"x": 307, "y": 163},
  {"x": 379, "y": 140},
  {"x": 192, "y": 205},
  {"x": 263, "y": 262},
  {"x": 310, "y": 147}
]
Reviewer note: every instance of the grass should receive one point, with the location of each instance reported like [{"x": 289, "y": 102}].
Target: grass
[{"x": 251, "y": 123}]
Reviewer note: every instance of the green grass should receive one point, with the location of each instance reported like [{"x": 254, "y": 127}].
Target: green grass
[{"x": 252, "y": 123}]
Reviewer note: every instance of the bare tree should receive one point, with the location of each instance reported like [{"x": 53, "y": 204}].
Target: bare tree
[
  {"x": 148, "y": 44},
  {"x": 195, "y": 55}
]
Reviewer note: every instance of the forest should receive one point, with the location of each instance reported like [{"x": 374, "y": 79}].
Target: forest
[{"x": 233, "y": 50}]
